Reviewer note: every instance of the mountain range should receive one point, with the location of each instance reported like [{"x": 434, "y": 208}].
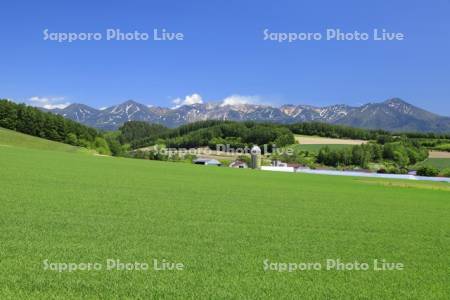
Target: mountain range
[{"x": 393, "y": 114}]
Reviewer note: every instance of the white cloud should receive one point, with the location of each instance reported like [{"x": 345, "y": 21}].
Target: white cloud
[
  {"x": 103, "y": 108},
  {"x": 188, "y": 100},
  {"x": 49, "y": 102},
  {"x": 230, "y": 100},
  {"x": 239, "y": 99}
]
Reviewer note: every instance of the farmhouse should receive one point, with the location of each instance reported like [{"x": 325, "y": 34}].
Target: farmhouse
[{"x": 207, "y": 162}]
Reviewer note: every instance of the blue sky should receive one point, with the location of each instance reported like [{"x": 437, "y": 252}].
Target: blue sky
[{"x": 223, "y": 53}]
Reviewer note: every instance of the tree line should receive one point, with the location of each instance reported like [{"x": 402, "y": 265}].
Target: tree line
[
  {"x": 341, "y": 131},
  {"x": 400, "y": 153}
]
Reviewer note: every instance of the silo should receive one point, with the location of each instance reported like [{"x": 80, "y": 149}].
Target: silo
[{"x": 255, "y": 153}]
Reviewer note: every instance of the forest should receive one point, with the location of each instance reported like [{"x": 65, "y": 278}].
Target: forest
[{"x": 206, "y": 133}]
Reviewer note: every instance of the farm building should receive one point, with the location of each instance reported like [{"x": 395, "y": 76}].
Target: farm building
[
  {"x": 207, "y": 162},
  {"x": 238, "y": 164},
  {"x": 280, "y": 164}
]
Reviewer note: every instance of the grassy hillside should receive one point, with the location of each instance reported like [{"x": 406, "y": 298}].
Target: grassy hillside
[
  {"x": 17, "y": 139},
  {"x": 220, "y": 223}
]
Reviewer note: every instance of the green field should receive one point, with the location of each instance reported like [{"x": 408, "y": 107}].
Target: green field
[
  {"x": 221, "y": 223},
  {"x": 440, "y": 163},
  {"x": 316, "y": 147}
]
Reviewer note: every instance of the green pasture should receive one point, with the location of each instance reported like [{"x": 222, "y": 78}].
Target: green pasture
[{"x": 220, "y": 223}]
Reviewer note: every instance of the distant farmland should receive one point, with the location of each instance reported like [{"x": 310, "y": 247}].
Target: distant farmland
[
  {"x": 437, "y": 159},
  {"x": 439, "y": 154},
  {"x": 317, "y": 140},
  {"x": 440, "y": 163},
  {"x": 317, "y": 147},
  {"x": 315, "y": 143}
]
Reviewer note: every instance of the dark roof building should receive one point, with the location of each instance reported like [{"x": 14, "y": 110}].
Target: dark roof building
[{"x": 207, "y": 162}]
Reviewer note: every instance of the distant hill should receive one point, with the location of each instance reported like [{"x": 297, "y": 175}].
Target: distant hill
[{"x": 393, "y": 114}]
